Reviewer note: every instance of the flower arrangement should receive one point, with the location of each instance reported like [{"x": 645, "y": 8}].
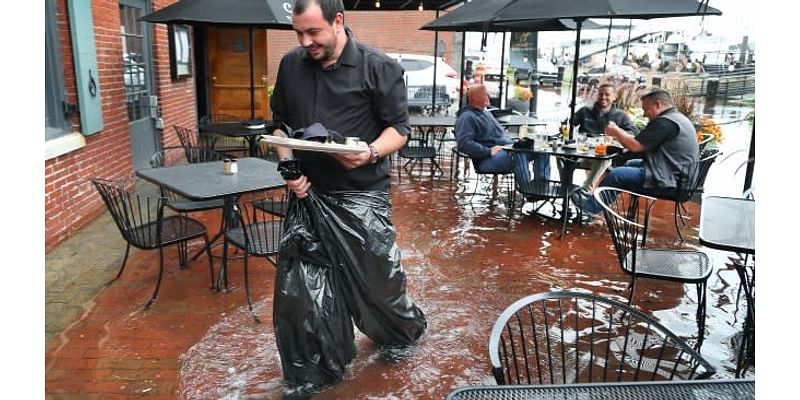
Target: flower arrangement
[
  {"x": 522, "y": 93},
  {"x": 706, "y": 125}
]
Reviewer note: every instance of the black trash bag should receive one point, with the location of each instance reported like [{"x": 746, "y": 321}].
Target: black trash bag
[{"x": 339, "y": 265}]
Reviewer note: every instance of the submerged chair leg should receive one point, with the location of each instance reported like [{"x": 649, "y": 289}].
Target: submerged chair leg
[
  {"x": 631, "y": 289},
  {"x": 122, "y": 267},
  {"x": 160, "y": 274},
  {"x": 210, "y": 259},
  {"x": 701, "y": 313},
  {"x": 247, "y": 290}
]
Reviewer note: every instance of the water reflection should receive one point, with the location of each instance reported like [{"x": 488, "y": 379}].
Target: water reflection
[{"x": 465, "y": 264}]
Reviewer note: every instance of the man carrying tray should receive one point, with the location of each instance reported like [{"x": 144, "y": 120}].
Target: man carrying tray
[{"x": 339, "y": 263}]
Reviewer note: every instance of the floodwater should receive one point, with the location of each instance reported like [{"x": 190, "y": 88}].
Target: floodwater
[{"x": 465, "y": 263}]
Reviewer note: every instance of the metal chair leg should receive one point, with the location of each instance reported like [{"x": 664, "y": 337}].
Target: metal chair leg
[
  {"x": 160, "y": 274},
  {"x": 247, "y": 289},
  {"x": 210, "y": 259},
  {"x": 124, "y": 260}
]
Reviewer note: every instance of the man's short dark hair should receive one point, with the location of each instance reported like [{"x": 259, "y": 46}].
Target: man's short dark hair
[
  {"x": 659, "y": 95},
  {"x": 610, "y": 85},
  {"x": 329, "y": 8}
]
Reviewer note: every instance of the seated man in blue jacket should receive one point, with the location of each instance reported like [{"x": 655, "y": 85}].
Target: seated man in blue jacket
[{"x": 479, "y": 135}]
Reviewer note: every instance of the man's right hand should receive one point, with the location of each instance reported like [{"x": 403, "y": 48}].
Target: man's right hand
[
  {"x": 299, "y": 186},
  {"x": 496, "y": 149}
]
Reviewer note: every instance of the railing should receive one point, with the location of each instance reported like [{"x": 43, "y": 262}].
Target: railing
[
  {"x": 718, "y": 82},
  {"x": 420, "y": 96}
]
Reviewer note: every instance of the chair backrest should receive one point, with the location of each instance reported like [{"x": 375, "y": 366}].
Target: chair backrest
[
  {"x": 215, "y": 118},
  {"x": 187, "y": 136},
  {"x": 567, "y": 337},
  {"x": 137, "y": 217},
  {"x": 627, "y": 216},
  {"x": 260, "y": 231},
  {"x": 704, "y": 142},
  {"x": 693, "y": 178}
]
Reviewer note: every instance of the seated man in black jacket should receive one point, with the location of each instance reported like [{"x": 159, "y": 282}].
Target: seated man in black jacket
[{"x": 593, "y": 122}]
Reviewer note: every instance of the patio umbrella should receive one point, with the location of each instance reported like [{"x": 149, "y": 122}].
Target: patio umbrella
[
  {"x": 472, "y": 17},
  {"x": 260, "y": 14},
  {"x": 533, "y": 11}
]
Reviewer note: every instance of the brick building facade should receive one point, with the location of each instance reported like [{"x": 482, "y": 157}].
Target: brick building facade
[{"x": 73, "y": 158}]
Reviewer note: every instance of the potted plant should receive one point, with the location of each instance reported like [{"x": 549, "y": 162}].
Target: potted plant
[{"x": 521, "y": 100}]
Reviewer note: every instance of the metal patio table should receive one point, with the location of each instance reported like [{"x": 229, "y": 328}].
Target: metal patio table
[
  {"x": 728, "y": 223},
  {"x": 239, "y": 130},
  {"x": 205, "y": 181},
  {"x": 571, "y": 158},
  {"x": 738, "y": 389}
]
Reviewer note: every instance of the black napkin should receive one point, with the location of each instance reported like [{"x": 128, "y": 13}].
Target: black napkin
[{"x": 316, "y": 132}]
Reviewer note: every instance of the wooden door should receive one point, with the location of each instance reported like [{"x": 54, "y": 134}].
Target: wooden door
[{"x": 229, "y": 68}]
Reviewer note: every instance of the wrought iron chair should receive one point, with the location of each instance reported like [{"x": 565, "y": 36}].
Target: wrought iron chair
[
  {"x": 566, "y": 337},
  {"x": 690, "y": 185},
  {"x": 230, "y": 146},
  {"x": 538, "y": 190},
  {"x": 505, "y": 178},
  {"x": 706, "y": 139},
  {"x": 172, "y": 156},
  {"x": 191, "y": 140},
  {"x": 142, "y": 223},
  {"x": 457, "y": 157},
  {"x": 425, "y": 148},
  {"x": 627, "y": 214},
  {"x": 258, "y": 234}
]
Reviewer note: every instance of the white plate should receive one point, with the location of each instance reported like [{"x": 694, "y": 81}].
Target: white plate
[{"x": 309, "y": 145}]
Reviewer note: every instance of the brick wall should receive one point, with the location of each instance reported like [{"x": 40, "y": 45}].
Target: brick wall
[
  {"x": 388, "y": 31},
  {"x": 70, "y": 199}
]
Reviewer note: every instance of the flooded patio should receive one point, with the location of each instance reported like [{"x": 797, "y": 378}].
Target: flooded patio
[{"x": 465, "y": 264}]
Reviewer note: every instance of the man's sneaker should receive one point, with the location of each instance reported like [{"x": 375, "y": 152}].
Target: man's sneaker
[{"x": 580, "y": 197}]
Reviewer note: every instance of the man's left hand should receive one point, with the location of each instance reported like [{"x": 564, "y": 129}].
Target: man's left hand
[{"x": 354, "y": 160}]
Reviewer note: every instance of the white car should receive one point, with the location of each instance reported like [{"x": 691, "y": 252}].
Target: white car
[{"x": 418, "y": 73}]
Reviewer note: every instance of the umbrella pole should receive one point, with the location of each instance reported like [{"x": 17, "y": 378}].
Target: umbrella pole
[
  {"x": 435, "y": 64},
  {"x": 575, "y": 75},
  {"x": 252, "y": 83},
  {"x": 463, "y": 61},
  {"x": 502, "y": 72},
  {"x": 608, "y": 43}
]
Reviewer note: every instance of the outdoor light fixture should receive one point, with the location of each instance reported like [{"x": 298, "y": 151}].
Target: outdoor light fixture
[
  {"x": 420, "y": 7},
  {"x": 378, "y": 4}
]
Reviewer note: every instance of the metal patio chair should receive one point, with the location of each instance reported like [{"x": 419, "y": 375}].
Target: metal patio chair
[
  {"x": 172, "y": 156},
  {"x": 190, "y": 139},
  {"x": 142, "y": 223},
  {"x": 230, "y": 146},
  {"x": 627, "y": 215},
  {"x": 567, "y": 337},
  {"x": 258, "y": 234},
  {"x": 690, "y": 184}
]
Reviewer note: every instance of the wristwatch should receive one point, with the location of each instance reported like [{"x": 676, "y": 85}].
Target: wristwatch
[{"x": 373, "y": 154}]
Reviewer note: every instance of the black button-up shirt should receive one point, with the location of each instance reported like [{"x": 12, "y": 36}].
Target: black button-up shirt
[{"x": 360, "y": 95}]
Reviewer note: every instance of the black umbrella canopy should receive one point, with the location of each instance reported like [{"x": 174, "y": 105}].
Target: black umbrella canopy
[
  {"x": 517, "y": 10},
  {"x": 477, "y": 16},
  {"x": 534, "y": 11},
  {"x": 273, "y": 14}
]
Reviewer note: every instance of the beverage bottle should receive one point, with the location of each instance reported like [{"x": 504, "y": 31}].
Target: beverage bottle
[
  {"x": 523, "y": 131},
  {"x": 564, "y": 130}
]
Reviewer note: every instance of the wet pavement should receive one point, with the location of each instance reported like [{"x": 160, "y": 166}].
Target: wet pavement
[{"x": 465, "y": 263}]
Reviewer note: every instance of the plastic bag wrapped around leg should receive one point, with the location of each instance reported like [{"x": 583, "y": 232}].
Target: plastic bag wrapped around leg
[{"x": 339, "y": 261}]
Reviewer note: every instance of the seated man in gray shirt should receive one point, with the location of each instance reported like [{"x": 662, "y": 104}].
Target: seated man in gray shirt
[
  {"x": 669, "y": 145},
  {"x": 593, "y": 122}
]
